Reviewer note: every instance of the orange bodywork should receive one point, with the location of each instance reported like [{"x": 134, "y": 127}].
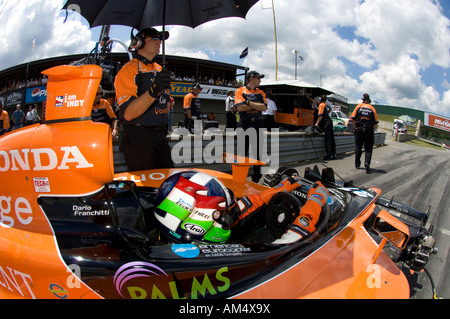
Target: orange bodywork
[
  {"x": 342, "y": 268},
  {"x": 70, "y": 155},
  {"x": 300, "y": 117}
]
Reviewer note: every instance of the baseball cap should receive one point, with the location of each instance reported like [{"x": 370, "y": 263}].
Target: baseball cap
[
  {"x": 196, "y": 86},
  {"x": 254, "y": 74},
  {"x": 366, "y": 97},
  {"x": 153, "y": 32}
]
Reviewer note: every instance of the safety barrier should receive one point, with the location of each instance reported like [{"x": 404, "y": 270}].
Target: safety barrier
[{"x": 205, "y": 151}]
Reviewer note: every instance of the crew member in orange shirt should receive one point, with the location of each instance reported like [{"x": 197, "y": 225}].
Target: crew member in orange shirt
[
  {"x": 141, "y": 90},
  {"x": 326, "y": 125},
  {"x": 191, "y": 106},
  {"x": 103, "y": 112},
  {"x": 4, "y": 120},
  {"x": 250, "y": 101}
]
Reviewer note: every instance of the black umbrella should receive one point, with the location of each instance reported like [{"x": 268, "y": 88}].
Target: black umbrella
[{"x": 142, "y": 14}]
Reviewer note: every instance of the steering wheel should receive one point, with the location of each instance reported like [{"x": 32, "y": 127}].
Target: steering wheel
[{"x": 282, "y": 210}]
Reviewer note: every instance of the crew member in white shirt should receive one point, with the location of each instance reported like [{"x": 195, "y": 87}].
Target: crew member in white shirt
[{"x": 269, "y": 114}]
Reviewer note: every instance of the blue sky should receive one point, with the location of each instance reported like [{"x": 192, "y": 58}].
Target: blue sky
[{"x": 397, "y": 51}]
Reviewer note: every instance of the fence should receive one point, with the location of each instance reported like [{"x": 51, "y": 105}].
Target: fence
[{"x": 205, "y": 151}]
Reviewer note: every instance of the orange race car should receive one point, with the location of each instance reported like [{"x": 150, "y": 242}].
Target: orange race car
[{"x": 71, "y": 228}]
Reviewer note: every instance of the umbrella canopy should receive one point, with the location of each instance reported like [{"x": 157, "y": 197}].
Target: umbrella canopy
[{"x": 142, "y": 14}]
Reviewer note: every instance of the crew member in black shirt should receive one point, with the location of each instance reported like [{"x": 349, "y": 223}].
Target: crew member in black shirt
[{"x": 365, "y": 121}]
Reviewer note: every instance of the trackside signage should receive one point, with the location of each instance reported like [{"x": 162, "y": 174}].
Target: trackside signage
[
  {"x": 437, "y": 121},
  {"x": 36, "y": 94},
  {"x": 209, "y": 92}
]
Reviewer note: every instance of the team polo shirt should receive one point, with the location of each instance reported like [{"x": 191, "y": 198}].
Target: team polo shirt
[
  {"x": 245, "y": 93},
  {"x": 4, "y": 120},
  {"x": 192, "y": 102},
  {"x": 102, "y": 112},
  {"x": 133, "y": 80},
  {"x": 364, "y": 115},
  {"x": 324, "y": 111}
]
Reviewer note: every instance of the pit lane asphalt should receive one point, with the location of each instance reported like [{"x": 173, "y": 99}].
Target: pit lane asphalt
[{"x": 415, "y": 176}]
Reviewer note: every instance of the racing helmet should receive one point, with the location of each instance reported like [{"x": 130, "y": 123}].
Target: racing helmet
[{"x": 188, "y": 206}]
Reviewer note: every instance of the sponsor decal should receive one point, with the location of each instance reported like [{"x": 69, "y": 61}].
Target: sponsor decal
[
  {"x": 41, "y": 184},
  {"x": 42, "y": 159},
  {"x": 297, "y": 192},
  {"x": 194, "y": 229},
  {"x": 134, "y": 270},
  {"x": 186, "y": 250},
  {"x": 73, "y": 101},
  {"x": 304, "y": 221},
  {"x": 68, "y": 101},
  {"x": 59, "y": 101},
  {"x": 155, "y": 283},
  {"x": 20, "y": 208},
  {"x": 58, "y": 291},
  {"x": 16, "y": 282},
  {"x": 223, "y": 250}
]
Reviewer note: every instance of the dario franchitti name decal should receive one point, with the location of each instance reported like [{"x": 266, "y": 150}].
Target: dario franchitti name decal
[{"x": 87, "y": 210}]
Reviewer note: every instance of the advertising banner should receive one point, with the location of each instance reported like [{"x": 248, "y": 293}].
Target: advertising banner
[
  {"x": 209, "y": 92},
  {"x": 36, "y": 94},
  {"x": 437, "y": 121}
]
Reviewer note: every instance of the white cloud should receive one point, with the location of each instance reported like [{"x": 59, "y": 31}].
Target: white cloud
[
  {"x": 404, "y": 26},
  {"x": 445, "y": 102},
  {"x": 395, "y": 43},
  {"x": 28, "y": 19},
  {"x": 396, "y": 79}
]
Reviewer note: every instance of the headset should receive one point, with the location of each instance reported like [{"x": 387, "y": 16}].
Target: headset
[{"x": 137, "y": 41}]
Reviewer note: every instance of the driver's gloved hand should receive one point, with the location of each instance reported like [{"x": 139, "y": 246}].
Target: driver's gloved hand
[{"x": 309, "y": 215}]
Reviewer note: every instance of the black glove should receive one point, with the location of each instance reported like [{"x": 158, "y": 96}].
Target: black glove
[{"x": 161, "y": 82}]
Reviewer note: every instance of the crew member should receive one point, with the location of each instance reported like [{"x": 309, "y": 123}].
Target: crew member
[
  {"x": 4, "y": 119},
  {"x": 365, "y": 121},
  {"x": 103, "y": 112},
  {"x": 250, "y": 101},
  {"x": 326, "y": 125},
  {"x": 230, "y": 110},
  {"x": 191, "y": 106},
  {"x": 141, "y": 94},
  {"x": 269, "y": 114}
]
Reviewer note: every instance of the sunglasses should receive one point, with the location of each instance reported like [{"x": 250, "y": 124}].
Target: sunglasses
[{"x": 153, "y": 37}]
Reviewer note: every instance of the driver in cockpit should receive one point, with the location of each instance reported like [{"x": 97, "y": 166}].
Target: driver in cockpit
[
  {"x": 196, "y": 206},
  {"x": 304, "y": 224}
]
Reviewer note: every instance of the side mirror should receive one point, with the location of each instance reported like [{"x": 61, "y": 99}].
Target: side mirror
[{"x": 391, "y": 230}]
